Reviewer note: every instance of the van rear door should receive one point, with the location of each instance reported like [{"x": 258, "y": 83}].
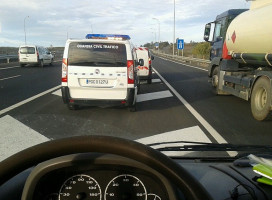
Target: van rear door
[
  {"x": 28, "y": 54},
  {"x": 97, "y": 70},
  {"x": 142, "y": 53}
]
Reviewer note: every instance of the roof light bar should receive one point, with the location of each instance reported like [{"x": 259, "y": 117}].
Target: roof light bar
[{"x": 108, "y": 36}]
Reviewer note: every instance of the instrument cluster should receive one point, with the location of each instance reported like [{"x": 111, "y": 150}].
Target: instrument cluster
[{"x": 100, "y": 183}]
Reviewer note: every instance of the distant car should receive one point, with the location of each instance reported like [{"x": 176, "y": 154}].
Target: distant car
[
  {"x": 145, "y": 71},
  {"x": 35, "y": 55},
  {"x": 100, "y": 69}
]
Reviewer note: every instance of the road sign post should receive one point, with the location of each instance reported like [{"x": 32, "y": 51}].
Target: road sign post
[{"x": 180, "y": 45}]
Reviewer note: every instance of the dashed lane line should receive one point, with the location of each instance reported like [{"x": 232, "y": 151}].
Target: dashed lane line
[
  {"x": 156, "y": 80},
  {"x": 9, "y": 67},
  {"x": 10, "y": 77},
  {"x": 154, "y": 96}
]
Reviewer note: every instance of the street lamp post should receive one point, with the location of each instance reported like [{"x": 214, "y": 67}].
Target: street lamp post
[
  {"x": 159, "y": 32},
  {"x": 68, "y": 32},
  {"x": 24, "y": 28},
  {"x": 154, "y": 32},
  {"x": 174, "y": 35}
]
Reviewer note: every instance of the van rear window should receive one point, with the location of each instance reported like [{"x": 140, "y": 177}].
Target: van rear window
[
  {"x": 97, "y": 54},
  {"x": 27, "y": 50}
]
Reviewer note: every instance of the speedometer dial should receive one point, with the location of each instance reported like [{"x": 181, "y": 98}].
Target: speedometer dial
[
  {"x": 80, "y": 187},
  {"x": 125, "y": 187}
]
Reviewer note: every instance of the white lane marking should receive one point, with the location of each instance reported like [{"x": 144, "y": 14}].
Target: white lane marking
[
  {"x": 156, "y": 80},
  {"x": 15, "y": 137},
  {"x": 191, "y": 134},
  {"x": 10, "y": 77},
  {"x": 153, "y": 96},
  {"x": 140, "y": 97},
  {"x": 205, "y": 124},
  {"x": 153, "y": 72},
  {"x": 9, "y": 67},
  {"x": 28, "y": 100},
  {"x": 58, "y": 93},
  {"x": 184, "y": 64},
  {"x": 57, "y": 60}
]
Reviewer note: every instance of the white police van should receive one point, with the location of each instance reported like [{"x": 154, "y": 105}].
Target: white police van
[
  {"x": 35, "y": 55},
  {"x": 98, "y": 70}
]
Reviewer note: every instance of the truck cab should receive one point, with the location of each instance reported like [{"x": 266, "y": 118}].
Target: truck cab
[{"x": 221, "y": 25}]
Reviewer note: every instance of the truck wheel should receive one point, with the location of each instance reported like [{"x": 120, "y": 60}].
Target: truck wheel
[
  {"x": 261, "y": 99},
  {"x": 215, "y": 80}
]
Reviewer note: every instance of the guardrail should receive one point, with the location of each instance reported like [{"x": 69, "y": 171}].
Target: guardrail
[
  {"x": 198, "y": 61},
  {"x": 8, "y": 58}
]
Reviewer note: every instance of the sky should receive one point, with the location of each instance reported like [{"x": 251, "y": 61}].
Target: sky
[{"x": 51, "y": 21}]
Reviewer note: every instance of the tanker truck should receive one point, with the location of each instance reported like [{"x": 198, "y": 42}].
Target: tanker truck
[{"x": 241, "y": 56}]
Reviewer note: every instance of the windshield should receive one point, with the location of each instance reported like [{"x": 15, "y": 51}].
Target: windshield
[
  {"x": 90, "y": 87},
  {"x": 27, "y": 50},
  {"x": 93, "y": 54}
]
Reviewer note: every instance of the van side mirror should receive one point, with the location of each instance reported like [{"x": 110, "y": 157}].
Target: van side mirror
[
  {"x": 207, "y": 32},
  {"x": 141, "y": 62},
  {"x": 152, "y": 57}
]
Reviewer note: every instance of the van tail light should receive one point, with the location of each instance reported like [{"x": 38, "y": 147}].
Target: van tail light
[
  {"x": 64, "y": 70},
  {"x": 130, "y": 71},
  {"x": 38, "y": 55},
  {"x": 149, "y": 61}
]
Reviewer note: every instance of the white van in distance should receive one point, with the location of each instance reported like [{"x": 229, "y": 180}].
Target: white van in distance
[
  {"x": 98, "y": 70},
  {"x": 34, "y": 55},
  {"x": 145, "y": 71}
]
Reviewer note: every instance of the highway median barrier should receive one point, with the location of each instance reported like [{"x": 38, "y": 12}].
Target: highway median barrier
[
  {"x": 8, "y": 58},
  {"x": 182, "y": 59}
]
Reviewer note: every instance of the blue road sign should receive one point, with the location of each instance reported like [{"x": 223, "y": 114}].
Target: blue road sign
[{"x": 180, "y": 44}]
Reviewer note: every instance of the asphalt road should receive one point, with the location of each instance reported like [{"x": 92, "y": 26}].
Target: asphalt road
[
  {"x": 17, "y": 84},
  {"x": 178, "y": 105}
]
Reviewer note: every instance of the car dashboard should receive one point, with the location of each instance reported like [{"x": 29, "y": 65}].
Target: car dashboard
[
  {"x": 109, "y": 177},
  {"x": 96, "y": 177}
]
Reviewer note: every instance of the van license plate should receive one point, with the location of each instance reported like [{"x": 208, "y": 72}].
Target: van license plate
[{"x": 97, "y": 82}]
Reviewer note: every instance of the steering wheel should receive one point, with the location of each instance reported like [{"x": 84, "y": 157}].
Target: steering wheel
[{"x": 34, "y": 155}]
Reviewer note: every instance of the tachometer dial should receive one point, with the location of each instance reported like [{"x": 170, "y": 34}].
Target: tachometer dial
[
  {"x": 125, "y": 187},
  {"x": 80, "y": 187}
]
